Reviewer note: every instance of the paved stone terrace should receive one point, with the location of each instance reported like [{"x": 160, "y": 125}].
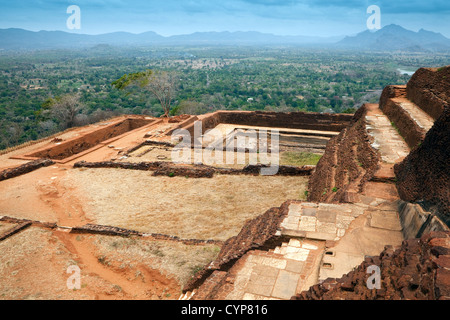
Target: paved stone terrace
[
  {"x": 318, "y": 241},
  {"x": 351, "y": 231}
]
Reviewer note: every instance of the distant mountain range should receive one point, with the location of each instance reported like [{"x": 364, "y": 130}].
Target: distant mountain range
[
  {"x": 389, "y": 38},
  {"x": 397, "y": 38},
  {"x": 17, "y": 39}
]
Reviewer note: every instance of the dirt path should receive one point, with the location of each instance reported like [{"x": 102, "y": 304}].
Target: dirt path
[
  {"x": 64, "y": 200},
  {"x": 139, "y": 283}
]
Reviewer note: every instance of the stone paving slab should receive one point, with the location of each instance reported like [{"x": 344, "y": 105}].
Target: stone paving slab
[
  {"x": 386, "y": 139},
  {"x": 326, "y": 216},
  {"x": 286, "y": 285},
  {"x": 268, "y": 261},
  {"x": 389, "y": 220},
  {"x": 381, "y": 190},
  {"x": 295, "y": 266},
  {"x": 262, "y": 280},
  {"x": 319, "y": 221}
]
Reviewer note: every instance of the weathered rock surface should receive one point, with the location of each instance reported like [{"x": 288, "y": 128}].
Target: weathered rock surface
[
  {"x": 425, "y": 174},
  {"x": 430, "y": 89}
]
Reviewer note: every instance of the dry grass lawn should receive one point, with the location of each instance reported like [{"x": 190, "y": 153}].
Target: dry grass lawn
[
  {"x": 206, "y": 208},
  {"x": 171, "y": 258}
]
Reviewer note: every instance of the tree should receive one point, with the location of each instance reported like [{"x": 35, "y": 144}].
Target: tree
[
  {"x": 161, "y": 84},
  {"x": 65, "y": 109},
  {"x": 190, "y": 107}
]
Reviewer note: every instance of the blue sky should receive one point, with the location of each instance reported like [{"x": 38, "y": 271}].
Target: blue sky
[{"x": 169, "y": 17}]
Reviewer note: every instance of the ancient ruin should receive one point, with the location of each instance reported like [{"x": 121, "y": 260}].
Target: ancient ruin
[{"x": 108, "y": 198}]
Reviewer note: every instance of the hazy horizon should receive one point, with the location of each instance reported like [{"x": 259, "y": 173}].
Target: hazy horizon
[{"x": 319, "y": 18}]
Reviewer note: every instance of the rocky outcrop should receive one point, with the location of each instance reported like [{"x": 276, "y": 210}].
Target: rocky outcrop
[
  {"x": 430, "y": 89},
  {"x": 424, "y": 175},
  {"x": 418, "y": 270}
]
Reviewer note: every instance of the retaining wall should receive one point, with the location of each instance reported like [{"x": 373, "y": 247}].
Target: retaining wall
[{"x": 291, "y": 120}]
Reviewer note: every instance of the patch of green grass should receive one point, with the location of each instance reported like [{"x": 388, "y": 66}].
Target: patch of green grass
[
  {"x": 396, "y": 128},
  {"x": 293, "y": 158},
  {"x": 196, "y": 269},
  {"x": 334, "y": 189}
]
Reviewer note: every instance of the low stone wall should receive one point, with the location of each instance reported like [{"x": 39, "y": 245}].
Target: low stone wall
[
  {"x": 164, "y": 168},
  {"x": 418, "y": 270},
  {"x": 25, "y": 168},
  {"x": 89, "y": 140},
  {"x": 116, "y": 231},
  {"x": 150, "y": 143},
  {"x": 14, "y": 230},
  {"x": 98, "y": 229},
  {"x": 41, "y": 224},
  {"x": 292, "y": 120},
  {"x": 105, "y": 230}
]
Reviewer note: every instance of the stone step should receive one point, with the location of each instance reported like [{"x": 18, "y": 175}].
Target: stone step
[
  {"x": 385, "y": 137},
  {"x": 411, "y": 121}
]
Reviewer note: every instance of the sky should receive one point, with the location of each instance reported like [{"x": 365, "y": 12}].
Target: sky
[{"x": 172, "y": 17}]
